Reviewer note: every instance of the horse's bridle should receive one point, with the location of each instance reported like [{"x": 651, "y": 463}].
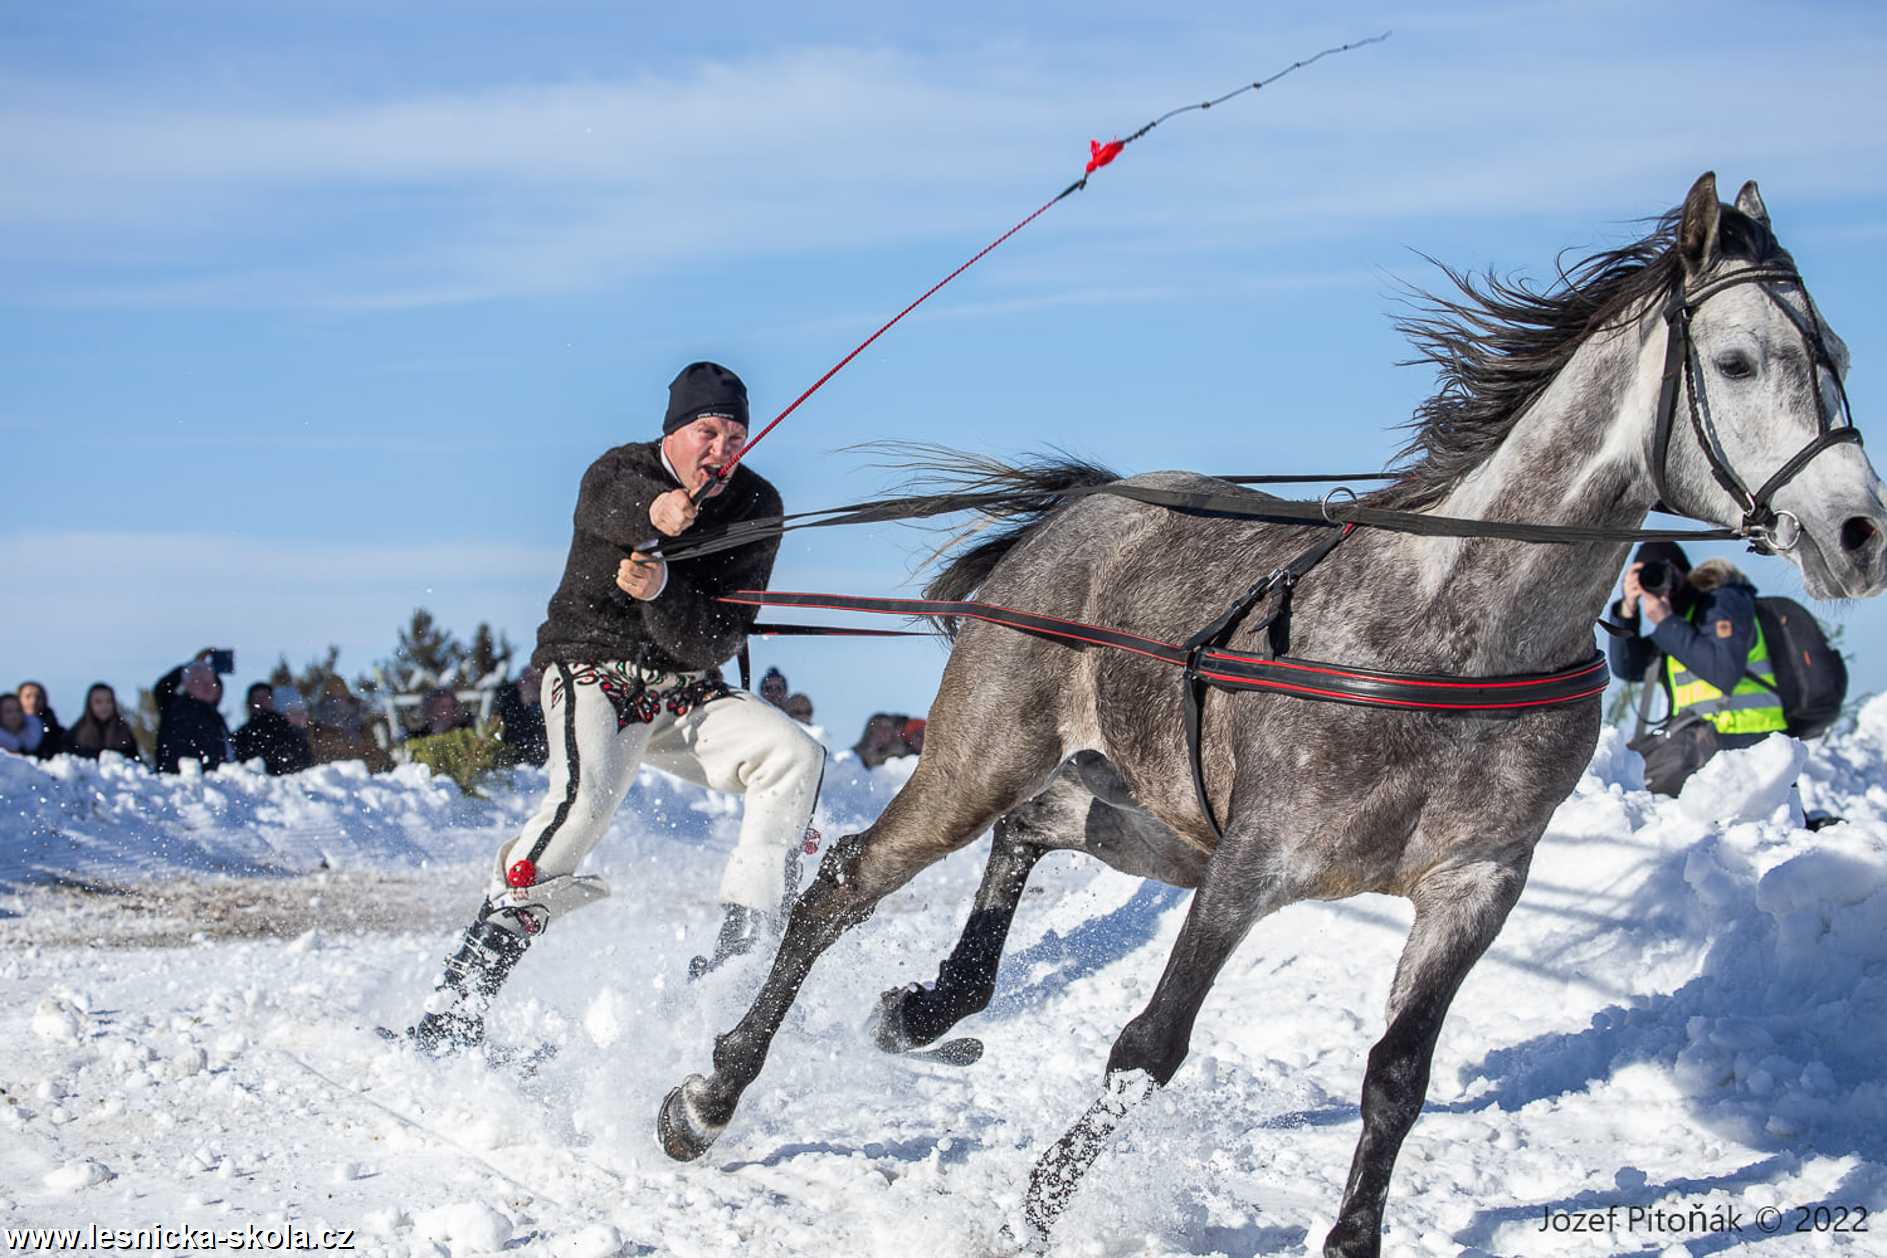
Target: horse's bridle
[{"x": 1761, "y": 522}]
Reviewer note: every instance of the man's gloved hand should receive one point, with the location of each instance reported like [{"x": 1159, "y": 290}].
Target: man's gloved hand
[
  {"x": 641, "y": 576},
  {"x": 673, "y": 512}
]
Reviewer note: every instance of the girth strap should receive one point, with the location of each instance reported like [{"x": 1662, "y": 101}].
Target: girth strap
[{"x": 1277, "y": 627}]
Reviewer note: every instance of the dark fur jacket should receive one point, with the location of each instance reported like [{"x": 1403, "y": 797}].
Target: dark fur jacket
[{"x": 683, "y": 628}]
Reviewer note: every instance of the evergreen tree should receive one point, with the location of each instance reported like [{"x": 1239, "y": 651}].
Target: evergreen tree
[
  {"x": 485, "y": 655},
  {"x": 424, "y": 645},
  {"x": 309, "y": 680}
]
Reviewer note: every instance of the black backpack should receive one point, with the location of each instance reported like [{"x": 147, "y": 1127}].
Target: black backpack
[{"x": 1811, "y": 676}]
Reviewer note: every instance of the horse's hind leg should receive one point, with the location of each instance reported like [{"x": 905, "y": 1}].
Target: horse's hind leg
[
  {"x": 950, "y": 799},
  {"x": 913, "y": 1015},
  {"x": 1458, "y": 912},
  {"x": 1088, "y": 808}
]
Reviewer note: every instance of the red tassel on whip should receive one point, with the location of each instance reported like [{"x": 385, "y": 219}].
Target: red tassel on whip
[{"x": 1099, "y": 155}]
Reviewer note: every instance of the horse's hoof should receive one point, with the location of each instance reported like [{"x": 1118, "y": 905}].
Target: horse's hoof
[
  {"x": 1349, "y": 1239},
  {"x": 887, "y": 1026},
  {"x": 684, "y": 1134},
  {"x": 1021, "y": 1238}
]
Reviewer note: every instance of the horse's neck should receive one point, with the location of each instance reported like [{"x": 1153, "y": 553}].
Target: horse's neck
[{"x": 1577, "y": 457}]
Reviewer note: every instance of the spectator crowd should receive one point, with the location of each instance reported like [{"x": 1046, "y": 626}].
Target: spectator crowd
[{"x": 287, "y": 731}]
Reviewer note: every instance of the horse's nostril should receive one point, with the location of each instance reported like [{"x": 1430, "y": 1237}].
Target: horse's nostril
[{"x": 1857, "y": 532}]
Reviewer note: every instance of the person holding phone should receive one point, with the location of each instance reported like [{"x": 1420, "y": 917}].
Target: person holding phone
[
  {"x": 189, "y": 726},
  {"x": 631, "y": 653}
]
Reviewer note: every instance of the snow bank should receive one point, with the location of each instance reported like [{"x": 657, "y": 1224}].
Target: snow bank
[
  {"x": 111, "y": 821},
  {"x": 1758, "y": 950}
]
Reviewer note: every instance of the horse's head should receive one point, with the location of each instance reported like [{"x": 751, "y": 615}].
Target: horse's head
[{"x": 1753, "y": 426}]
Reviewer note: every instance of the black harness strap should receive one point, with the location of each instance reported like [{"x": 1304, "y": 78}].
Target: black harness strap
[
  {"x": 1277, "y": 627},
  {"x": 1676, "y": 329},
  {"x": 1206, "y": 663},
  {"x": 762, "y": 630},
  {"x": 1682, "y": 364},
  {"x": 1240, "y": 506},
  {"x": 1787, "y": 472},
  {"x": 1335, "y": 514}
]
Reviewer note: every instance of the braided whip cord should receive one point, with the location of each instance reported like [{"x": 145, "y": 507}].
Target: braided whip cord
[{"x": 1099, "y": 155}]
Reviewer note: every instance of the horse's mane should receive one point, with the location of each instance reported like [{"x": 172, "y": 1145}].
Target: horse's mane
[{"x": 1496, "y": 344}]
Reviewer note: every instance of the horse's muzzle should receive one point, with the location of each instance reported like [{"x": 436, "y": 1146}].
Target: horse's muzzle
[{"x": 1847, "y": 559}]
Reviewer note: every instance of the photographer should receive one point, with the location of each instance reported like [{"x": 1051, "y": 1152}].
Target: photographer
[{"x": 1698, "y": 629}]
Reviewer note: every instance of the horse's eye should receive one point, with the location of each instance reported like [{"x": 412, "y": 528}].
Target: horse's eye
[{"x": 1736, "y": 365}]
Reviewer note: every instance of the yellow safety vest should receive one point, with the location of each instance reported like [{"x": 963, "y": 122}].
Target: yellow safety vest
[{"x": 1752, "y": 708}]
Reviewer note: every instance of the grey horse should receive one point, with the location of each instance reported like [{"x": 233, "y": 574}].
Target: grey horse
[{"x": 1544, "y": 414}]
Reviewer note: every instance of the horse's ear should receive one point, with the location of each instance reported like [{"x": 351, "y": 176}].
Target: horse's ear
[
  {"x": 1750, "y": 201},
  {"x": 1697, "y": 231}
]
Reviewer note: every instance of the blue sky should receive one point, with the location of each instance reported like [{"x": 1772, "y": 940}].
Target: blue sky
[{"x": 312, "y": 314}]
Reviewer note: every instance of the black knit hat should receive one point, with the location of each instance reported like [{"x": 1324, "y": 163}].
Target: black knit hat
[
  {"x": 705, "y": 389},
  {"x": 1669, "y": 552}
]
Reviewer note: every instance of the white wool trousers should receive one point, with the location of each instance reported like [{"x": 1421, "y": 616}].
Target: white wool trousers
[{"x": 601, "y": 729}]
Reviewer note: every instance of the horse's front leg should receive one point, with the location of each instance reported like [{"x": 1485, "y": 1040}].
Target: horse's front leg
[
  {"x": 1458, "y": 911},
  {"x": 938, "y": 812},
  {"x": 1235, "y": 894}
]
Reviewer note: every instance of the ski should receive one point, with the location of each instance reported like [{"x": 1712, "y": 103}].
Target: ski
[
  {"x": 411, "y": 1123},
  {"x": 964, "y": 1051},
  {"x": 520, "y": 1061}
]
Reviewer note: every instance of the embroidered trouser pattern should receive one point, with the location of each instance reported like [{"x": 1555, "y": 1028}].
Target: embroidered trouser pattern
[{"x": 603, "y": 726}]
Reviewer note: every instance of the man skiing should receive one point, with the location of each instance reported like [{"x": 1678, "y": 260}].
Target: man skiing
[{"x": 630, "y": 654}]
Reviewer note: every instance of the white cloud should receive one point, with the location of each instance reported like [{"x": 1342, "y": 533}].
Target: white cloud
[{"x": 564, "y": 187}]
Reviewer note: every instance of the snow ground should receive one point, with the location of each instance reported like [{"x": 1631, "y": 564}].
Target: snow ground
[{"x": 1686, "y": 1010}]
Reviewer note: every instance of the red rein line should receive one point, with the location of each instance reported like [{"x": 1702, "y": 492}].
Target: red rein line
[
  {"x": 1306, "y": 679},
  {"x": 889, "y": 324},
  {"x": 1099, "y": 155}
]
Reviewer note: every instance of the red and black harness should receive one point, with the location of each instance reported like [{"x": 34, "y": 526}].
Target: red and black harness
[{"x": 1206, "y": 664}]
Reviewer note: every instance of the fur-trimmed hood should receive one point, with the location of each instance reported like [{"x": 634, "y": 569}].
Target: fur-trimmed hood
[{"x": 1714, "y": 574}]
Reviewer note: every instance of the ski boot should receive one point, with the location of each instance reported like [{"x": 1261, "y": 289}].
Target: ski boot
[
  {"x": 741, "y": 930},
  {"x": 454, "y": 1017}
]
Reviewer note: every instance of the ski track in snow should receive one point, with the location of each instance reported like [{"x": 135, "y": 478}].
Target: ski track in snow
[{"x": 1686, "y": 1009}]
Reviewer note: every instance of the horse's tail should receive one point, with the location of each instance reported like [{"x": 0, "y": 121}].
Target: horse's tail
[{"x": 1015, "y": 498}]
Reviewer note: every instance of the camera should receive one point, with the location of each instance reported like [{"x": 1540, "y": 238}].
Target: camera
[
  {"x": 1656, "y": 577},
  {"x": 223, "y": 661}
]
